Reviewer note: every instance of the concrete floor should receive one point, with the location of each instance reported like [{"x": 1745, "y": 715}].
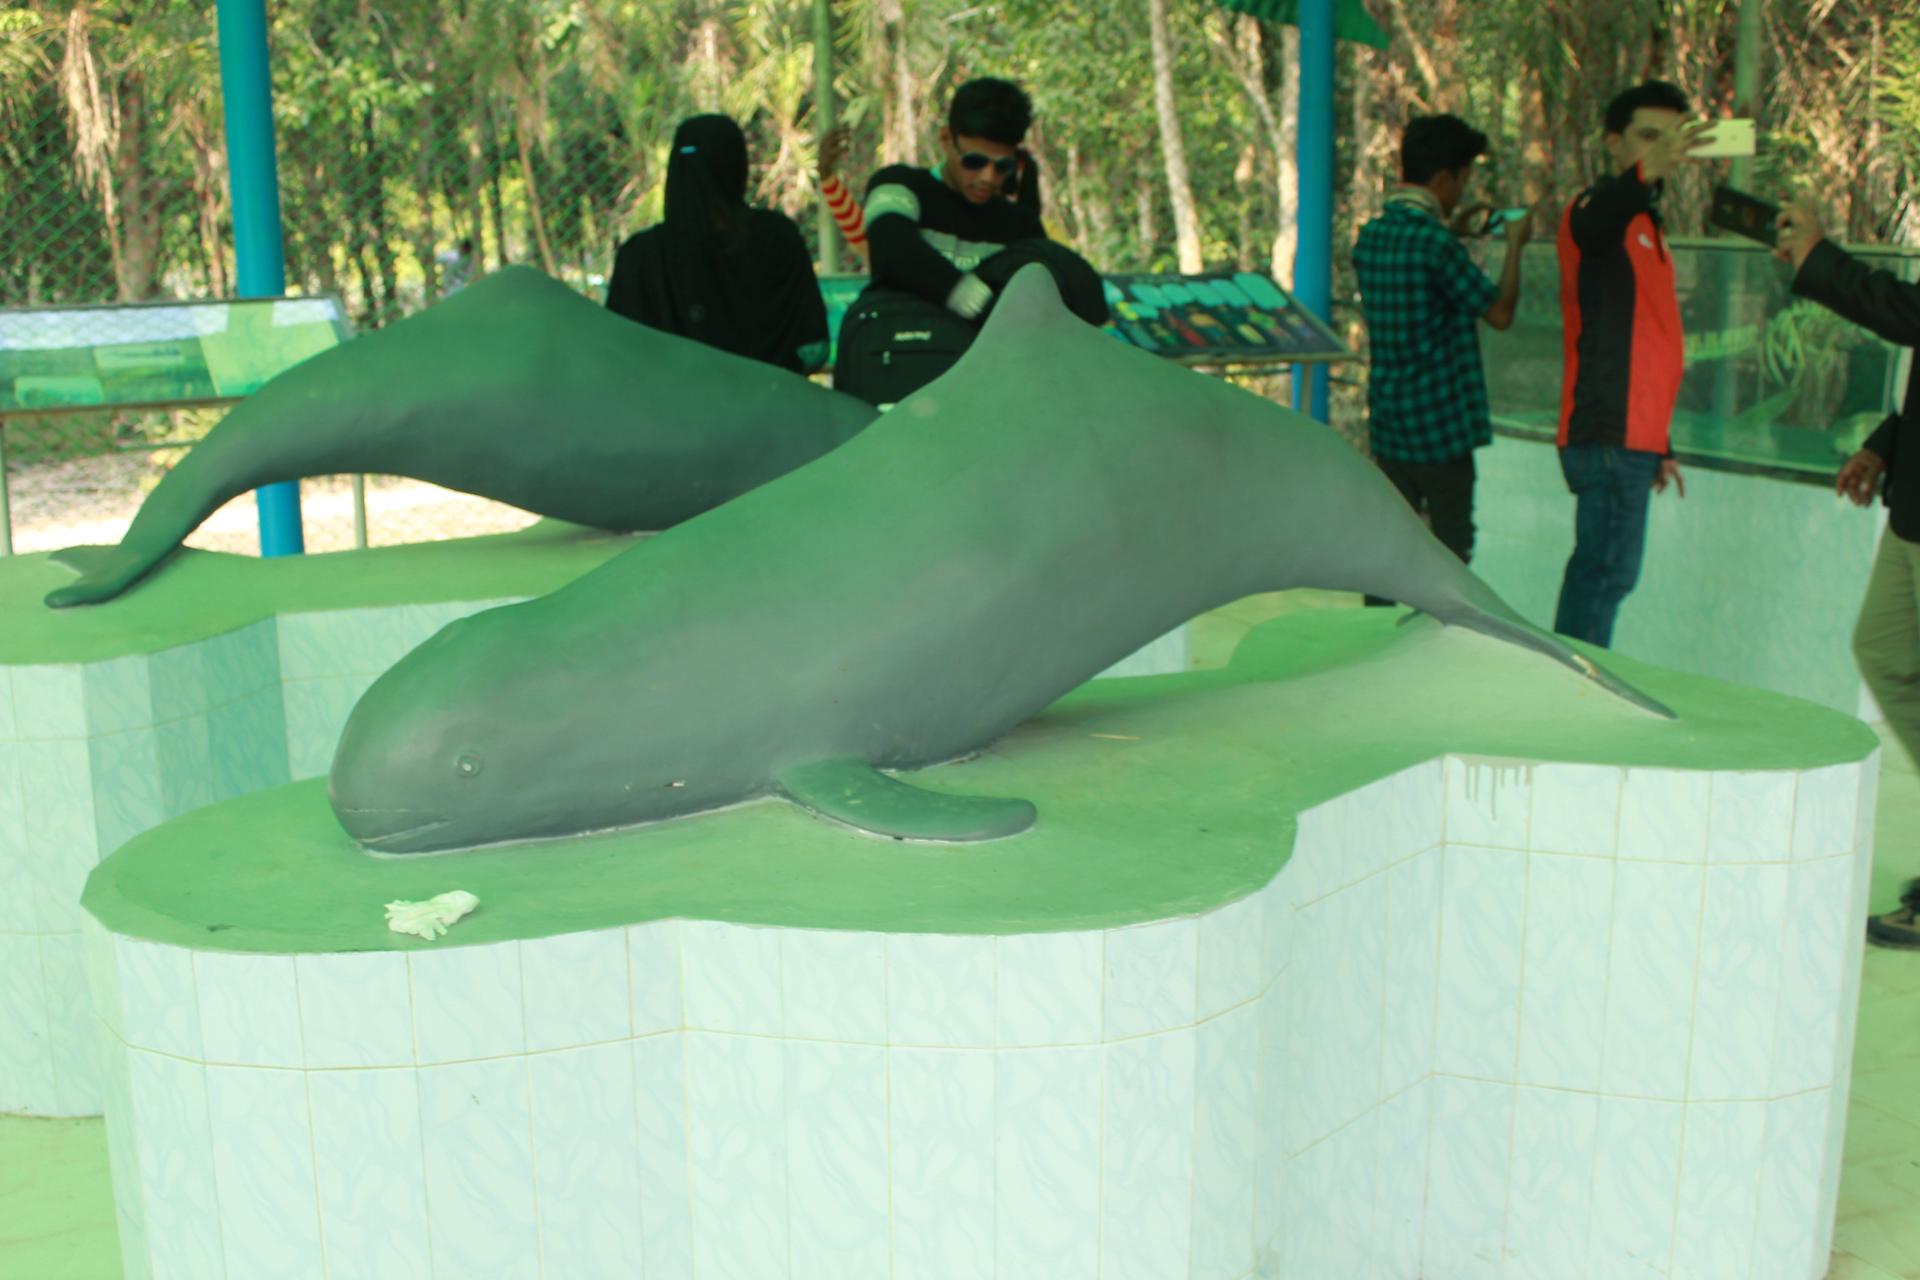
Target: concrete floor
[{"x": 56, "y": 1205}]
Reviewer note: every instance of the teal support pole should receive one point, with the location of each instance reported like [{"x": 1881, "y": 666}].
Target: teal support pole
[
  {"x": 246, "y": 89},
  {"x": 1313, "y": 257}
]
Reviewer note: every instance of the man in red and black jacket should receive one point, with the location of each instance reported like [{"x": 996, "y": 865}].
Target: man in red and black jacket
[
  {"x": 1886, "y": 639},
  {"x": 1621, "y": 324}
]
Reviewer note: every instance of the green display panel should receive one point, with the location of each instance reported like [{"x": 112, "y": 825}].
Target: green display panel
[
  {"x": 163, "y": 354},
  {"x": 1218, "y": 318},
  {"x": 1773, "y": 383}
]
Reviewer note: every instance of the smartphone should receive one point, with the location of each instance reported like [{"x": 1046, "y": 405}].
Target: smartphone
[
  {"x": 1744, "y": 215},
  {"x": 1729, "y": 138},
  {"x": 1501, "y": 217}
]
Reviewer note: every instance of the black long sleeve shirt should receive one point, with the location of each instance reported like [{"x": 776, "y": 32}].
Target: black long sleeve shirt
[
  {"x": 1890, "y": 307},
  {"x": 922, "y": 235}
]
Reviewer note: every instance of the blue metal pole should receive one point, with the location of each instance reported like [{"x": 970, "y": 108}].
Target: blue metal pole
[
  {"x": 1313, "y": 258},
  {"x": 247, "y": 89}
]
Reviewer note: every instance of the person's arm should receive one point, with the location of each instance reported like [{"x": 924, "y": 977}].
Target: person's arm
[
  {"x": 900, "y": 257},
  {"x": 1507, "y": 300},
  {"x": 841, "y": 206},
  {"x": 1876, "y": 300},
  {"x": 625, "y": 296},
  {"x": 1460, "y": 280},
  {"x": 793, "y": 293}
]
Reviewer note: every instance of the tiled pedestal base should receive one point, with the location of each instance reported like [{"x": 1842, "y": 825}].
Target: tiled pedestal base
[
  {"x": 1493, "y": 1019},
  {"x": 93, "y": 754}
]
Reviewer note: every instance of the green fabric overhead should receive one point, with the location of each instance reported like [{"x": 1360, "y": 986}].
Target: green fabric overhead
[{"x": 1350, "y": 18}]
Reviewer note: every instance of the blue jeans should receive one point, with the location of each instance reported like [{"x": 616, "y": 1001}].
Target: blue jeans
[{"x": 1611, "y": 488}]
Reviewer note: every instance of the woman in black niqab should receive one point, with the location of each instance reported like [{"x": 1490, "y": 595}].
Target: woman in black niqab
[{"x": 716, "y": 269}]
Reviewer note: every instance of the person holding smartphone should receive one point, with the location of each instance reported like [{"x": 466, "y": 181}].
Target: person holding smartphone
[
  {"x": 1423, "y": 298},
  {"x": 1886, "y": 639},
  {"x": 1622, "y": 353}
]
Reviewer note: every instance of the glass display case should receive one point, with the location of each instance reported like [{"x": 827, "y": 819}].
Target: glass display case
[{"x": 1774, "y": 384}]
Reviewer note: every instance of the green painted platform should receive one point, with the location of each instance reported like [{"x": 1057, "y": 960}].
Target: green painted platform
[
  {"x": 201, "y": 594},
  {"x": 1158, "y": 797}
]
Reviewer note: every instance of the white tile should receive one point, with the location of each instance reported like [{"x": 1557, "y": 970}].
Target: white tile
[
  {"x": 1569, "y": 918},
  {"x": 732, "y": 976},
  {"x": 1402, "y": 1138},
  {"x": 1789, "y": 1216},
  {"x": 1230, "y": 956},
  {"x": 1412, "y": 970},
  {"x": 1825, "y": 810},
  {"x": 1146, "y": 1162},
  {"x": 1636, "y": 1176},
  {"x": 26, "y": 1042},
  {"x": 1047, "y": 1158},
  {"x": 1551, "y": 1183},
  {"x": 834, "y": 985},
  {"x": 467, "y": 1003},
  {"x": 660, "y": 1097},
  {"x": 1752, "y": 817},
  {"x": 737, "y": 1151},
  {"x": 1350, "y": 1040},
  {"x": 263, "y": 1164},
  {"x": 1487, "y": 802},
  {"x": 1738, "y": 988},
  {"x": 371, "y": 1174},
  {"x": 1719, "y": 1189},
  {"x": 249, "y": 1009},
  {"x": 159, "y": 1008},
  {"x": 1273, "y": 1122},
  {"x": 62, "y": 840},
  {"x": 1482, "y": 900},
  {"x": 49, "y": 702},
  {"x": 837, "y": 1159},
  {"x": 942, "y": 1118},
  {"x": 177, "y": 1190},
  {"x": 1823, "y": 935},
  {"x": 1223, "y": 1160},
  {"x": 1390, "y": 820},
  {"x": 576, "y": 989},
  {"x": 653, "y": 967},
  {"x": 476, "y": 1130},
  {"x": 1866, "y": 806},
  {"x": 940, "y": 990},
  {"x": 18, "y": 913},
  {"x": 355, "y": 1010},
  {"x": 1576, "y": 809},
  {"x": 1346, "y": 1175},
  {"x": 1049, "y": 988},
  {"x": 1277, "y": 924},
  {"x": 1650, "y": 963},
  {"x": 1317, "y": 863},
  {"x": 73, "y": 1029},
  {"x": 1152, "y": 977},
  {"x": 1467, "y": 1178},
  {"x": 1663, "y": 815},
  {"x": 587, "y": 1170}
]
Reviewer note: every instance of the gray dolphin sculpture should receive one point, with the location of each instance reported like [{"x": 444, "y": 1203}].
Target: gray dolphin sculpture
[
  {"x": 1055, "y": 501},
  {"x": 515, "y": 388}
]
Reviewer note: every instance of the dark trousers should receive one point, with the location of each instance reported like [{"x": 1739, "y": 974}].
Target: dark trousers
[
  {"x": 1443, "y": 493},
  {"x": 1611, "y": 488}
]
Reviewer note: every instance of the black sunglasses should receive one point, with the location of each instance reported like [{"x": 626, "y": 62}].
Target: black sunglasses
[{"x": 1004, "y": 165}]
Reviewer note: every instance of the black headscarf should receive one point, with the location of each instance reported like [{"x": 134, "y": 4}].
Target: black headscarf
[{"x": 716, "y": 270}]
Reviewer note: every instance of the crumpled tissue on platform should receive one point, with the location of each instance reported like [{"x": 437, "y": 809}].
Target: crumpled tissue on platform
[{"x": 431, "y": 918}]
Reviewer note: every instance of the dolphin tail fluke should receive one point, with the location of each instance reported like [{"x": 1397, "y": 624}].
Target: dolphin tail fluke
[
  {"x": 854, "y": 792},
  {"x": 1520, "y": 632},
  {"x": 104, "y": 573}
]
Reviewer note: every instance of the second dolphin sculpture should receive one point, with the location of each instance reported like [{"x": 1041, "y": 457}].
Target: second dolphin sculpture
[
  {"x": 1054, "y": 502},
  {"x": 516, "y": 388}
]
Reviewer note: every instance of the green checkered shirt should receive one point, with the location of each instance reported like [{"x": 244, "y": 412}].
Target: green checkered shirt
[{"x": 1422, "y": 296}]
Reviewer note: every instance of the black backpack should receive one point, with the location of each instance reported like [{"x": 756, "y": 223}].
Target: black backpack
[{"x": 892, "y": 343}]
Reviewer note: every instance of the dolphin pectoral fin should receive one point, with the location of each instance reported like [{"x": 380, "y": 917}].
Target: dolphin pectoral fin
[
  {"x": 1531, "y": 637},
  {"x": 854, "y": 792}
]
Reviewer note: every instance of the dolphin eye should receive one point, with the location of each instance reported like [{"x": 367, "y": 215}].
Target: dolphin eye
[{"x": 467, "y": 766}]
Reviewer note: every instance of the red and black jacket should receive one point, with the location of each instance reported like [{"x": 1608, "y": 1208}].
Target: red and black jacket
[{"x": 1620, "y": 318}]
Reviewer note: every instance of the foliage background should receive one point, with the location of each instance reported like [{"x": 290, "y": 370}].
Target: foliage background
[{"x": 539, "y": 127}]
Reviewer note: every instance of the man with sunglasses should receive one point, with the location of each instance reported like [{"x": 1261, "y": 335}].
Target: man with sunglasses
[{"x": 927, "y": 229}]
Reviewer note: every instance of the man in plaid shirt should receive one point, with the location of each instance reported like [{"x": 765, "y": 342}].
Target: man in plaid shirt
[{"x": 1422, "y": 295}]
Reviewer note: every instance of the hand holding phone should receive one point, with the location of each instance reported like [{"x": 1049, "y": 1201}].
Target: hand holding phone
[
  {"x": 1745, "y": 215},
  {"x": 1727, "y": 139}
]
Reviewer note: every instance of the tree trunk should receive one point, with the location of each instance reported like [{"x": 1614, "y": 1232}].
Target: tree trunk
[
  {"x": 1286, "y": 241},
  {"x": 1146, "y": 224},
  {"x": 1186, "y": 218},
  {"x": 139, "y": 220},
  {"x": 534, "y": 211}
]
